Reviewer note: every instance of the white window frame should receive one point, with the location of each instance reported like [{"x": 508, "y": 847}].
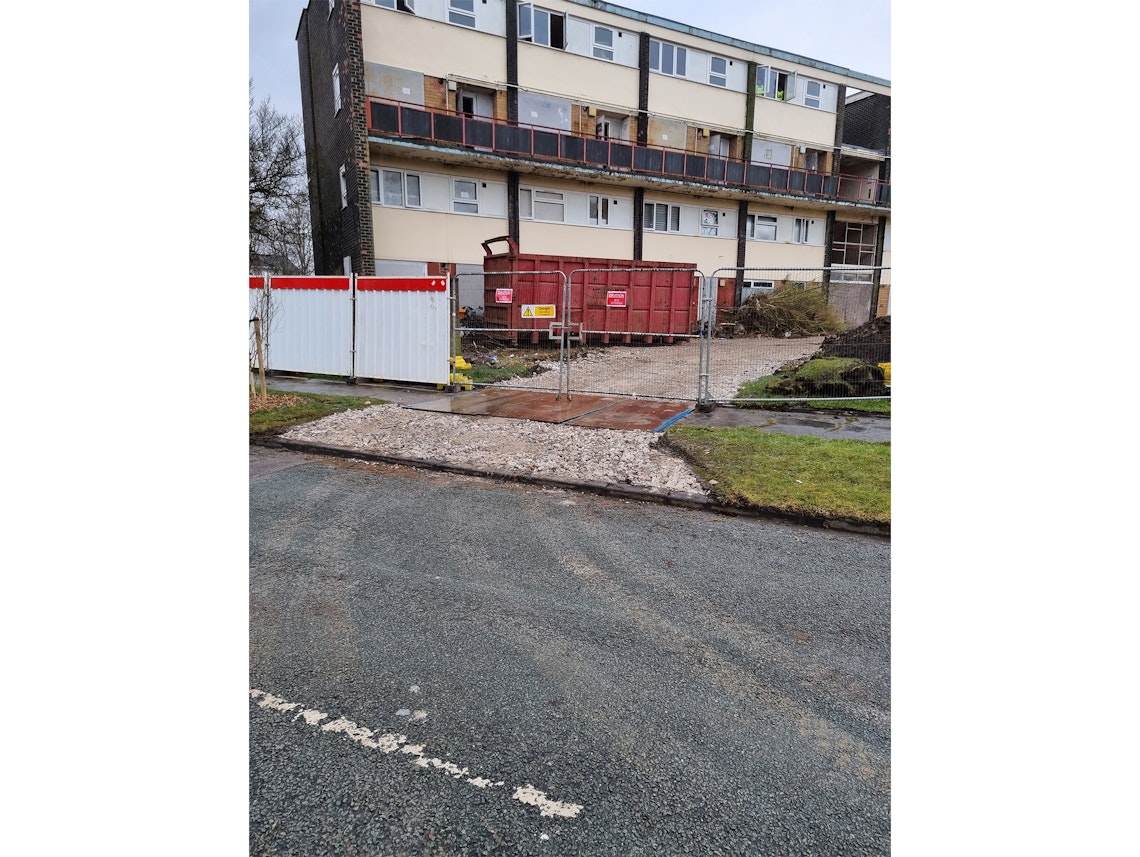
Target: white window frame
[
  {"x": 459, "y": 14},
  {"x": 768, "y": 80},
  {"x": 672, "y": 217},
  {"x": 718, "y": 78},
  {"x": 765, "y": 220},
  {"x": 527, "y": 31},
  {"x": 811, "y": 100},
  {"x": 336, "y": 88},
  {"x": 603, "y": 51},
  {"x": 463, "y": 204},
  {"x": 343, "y": 187},
  {"x": 407, "y": 181},
  {"x": 598, "y": 211},
  {"x": 801, "y": 231},
  {"x": 549, "y": 206},
  {"x": 710, "y": 221},
  {"x": 677, "y": 63},
  {"x": 762, "y": 286}
]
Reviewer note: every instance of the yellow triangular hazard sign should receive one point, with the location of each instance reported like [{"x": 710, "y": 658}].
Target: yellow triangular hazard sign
[{"x": 528, "y": 312}]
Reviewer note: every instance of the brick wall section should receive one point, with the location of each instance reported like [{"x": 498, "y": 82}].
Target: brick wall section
[
  {"x": 333, "y": 139},
  {"x": 435, "y": 94},
  {"x": 867, "y": 122}
]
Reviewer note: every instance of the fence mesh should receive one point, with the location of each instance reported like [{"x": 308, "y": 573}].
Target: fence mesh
[{"x": 674, "y": 333}]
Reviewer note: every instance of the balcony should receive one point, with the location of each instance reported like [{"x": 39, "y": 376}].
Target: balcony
[{"x": 560, "y": 147}]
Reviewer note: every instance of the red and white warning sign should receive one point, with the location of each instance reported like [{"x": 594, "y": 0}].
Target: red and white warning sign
[
  {"x": 615, "y": 298},
  {"x": 504, "y": 296}
]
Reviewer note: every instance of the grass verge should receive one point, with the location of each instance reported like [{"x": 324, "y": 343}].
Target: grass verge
[
  {"x": 285, "y": 409},
  {"x": 761, "y": 389},
  {"x": 746, "y": 467}
]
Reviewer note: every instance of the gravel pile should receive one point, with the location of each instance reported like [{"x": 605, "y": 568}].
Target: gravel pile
[{"x": 512, "y": 447}]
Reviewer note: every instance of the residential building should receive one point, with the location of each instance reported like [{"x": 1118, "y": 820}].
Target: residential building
[{"x": 579, "y": 127}]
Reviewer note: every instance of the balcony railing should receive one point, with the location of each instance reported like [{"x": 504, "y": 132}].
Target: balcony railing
[{"x": 559, "y": 146}]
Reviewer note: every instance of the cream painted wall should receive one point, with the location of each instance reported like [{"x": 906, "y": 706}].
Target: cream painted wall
[
  {"x": 582, "y": 78},
  {"x": 558, "y": 239},
  {"x": 401, "y": 233},
  {"x": 764, "y": 254},
  {"x": 707, "y": 253},
  {"x": 434, "y": 48},
  {"x": 700, "y": 104},
  {"x": 805, "y": 124}
]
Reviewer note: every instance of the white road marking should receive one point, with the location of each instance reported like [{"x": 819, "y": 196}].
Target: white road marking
[
  {"x": 529, "y": 794},
  {"x": 389, "y": 742}
]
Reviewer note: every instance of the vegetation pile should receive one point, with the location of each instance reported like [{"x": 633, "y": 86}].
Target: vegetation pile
[{"x": 789, "y": 311}]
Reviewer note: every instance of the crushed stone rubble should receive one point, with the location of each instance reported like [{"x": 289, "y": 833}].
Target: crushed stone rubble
[{"x": 499, "y": 445}]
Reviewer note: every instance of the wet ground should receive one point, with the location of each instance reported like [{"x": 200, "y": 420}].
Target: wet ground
[{"x": 597, "y": 411}]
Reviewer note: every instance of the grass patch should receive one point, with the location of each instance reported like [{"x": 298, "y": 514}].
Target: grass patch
[
  {"x": 764, "y": 388},
  {"x": 791, "y": 474},
  {"x": 285, "y": 409}
]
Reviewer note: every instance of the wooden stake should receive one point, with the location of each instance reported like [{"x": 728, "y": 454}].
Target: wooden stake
[{"x": 260, "y": 357}]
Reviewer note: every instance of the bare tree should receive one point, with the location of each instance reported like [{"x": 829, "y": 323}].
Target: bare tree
[{"x": 280, "y": 238}]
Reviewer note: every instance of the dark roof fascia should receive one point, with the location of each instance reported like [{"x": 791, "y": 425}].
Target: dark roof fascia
[{"x": 751, "y": 47}]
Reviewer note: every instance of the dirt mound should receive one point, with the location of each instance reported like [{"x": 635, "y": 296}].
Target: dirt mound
[{"x": 870, "y": 342}]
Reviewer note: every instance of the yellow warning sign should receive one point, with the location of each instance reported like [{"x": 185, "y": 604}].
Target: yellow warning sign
[{"x": 538, "y": 311}]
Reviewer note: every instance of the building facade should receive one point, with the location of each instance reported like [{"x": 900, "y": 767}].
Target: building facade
[{"x": 579, "y": 127}]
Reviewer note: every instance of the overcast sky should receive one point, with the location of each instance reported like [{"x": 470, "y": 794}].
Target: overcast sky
[{"x": 855, "y": 34}]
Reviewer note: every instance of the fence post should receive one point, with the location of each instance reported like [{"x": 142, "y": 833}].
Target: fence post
[{"x": 260, "y": 357}]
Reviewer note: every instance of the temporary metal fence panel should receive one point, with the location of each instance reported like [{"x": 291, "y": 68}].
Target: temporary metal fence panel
[
  {"x": 523, "y": 314},
  {"x": 746, "y": 343},
  {"x": 403, "y": 329},
  {"x": 310, "y": 329}
]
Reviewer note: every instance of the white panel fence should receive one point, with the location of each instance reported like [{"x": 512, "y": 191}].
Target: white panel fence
[{"x": 389, "y": 328}]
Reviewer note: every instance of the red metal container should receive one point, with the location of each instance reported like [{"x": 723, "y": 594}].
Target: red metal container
[{"x": 652, "y": 303}]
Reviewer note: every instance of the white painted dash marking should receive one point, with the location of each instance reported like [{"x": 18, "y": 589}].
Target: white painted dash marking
[{"x": 390, "y": 742}]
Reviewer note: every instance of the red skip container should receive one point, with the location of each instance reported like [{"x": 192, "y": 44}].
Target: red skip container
[{"x": 609, "y": 302}]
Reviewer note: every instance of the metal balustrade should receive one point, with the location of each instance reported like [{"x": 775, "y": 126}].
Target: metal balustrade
[{"x": 539, "y": 142}]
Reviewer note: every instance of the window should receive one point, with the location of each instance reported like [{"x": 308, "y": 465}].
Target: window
[
  {"x": 773, "y": 83},
  {"x": 761, "y": 227},
  {"x": 812, "y": 91},
  {"x": 710, "y": 221},
  {"x": 541, "y": 27},
  {"x": 599, "y": 210},
  {"x": 720, "y": 145},
  {"x": 393, "y": 187},
  {"x": 387, "y": 4},
  {"x": 666, "y": 58},
  {"x": 343, "y": 188},
  {"x": 603, "y": 43},
  {"x": 754, "y": 287},
  {"x": 800, "y": 235},
  {"x": 461, "y": 12},
  {"x": 546, "y": 205},
  {"x": 811, "y": 160},
  {"x": 660, "y": 217},
  {"x": 336, "y": 88},
  {"x": 718, "y": 71},
  {"x": 402, "y": 5},
  {"x": 464, "y": 197}
]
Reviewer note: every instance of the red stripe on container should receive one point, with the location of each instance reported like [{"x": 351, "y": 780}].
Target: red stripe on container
[
  {"x": 333, "y": 283},
  {"x": 401, "y": 284},
  {"x": 257, "y": 282}
]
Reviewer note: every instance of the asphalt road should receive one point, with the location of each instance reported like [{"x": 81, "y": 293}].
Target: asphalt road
[{"x": 447, "y": 665}]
